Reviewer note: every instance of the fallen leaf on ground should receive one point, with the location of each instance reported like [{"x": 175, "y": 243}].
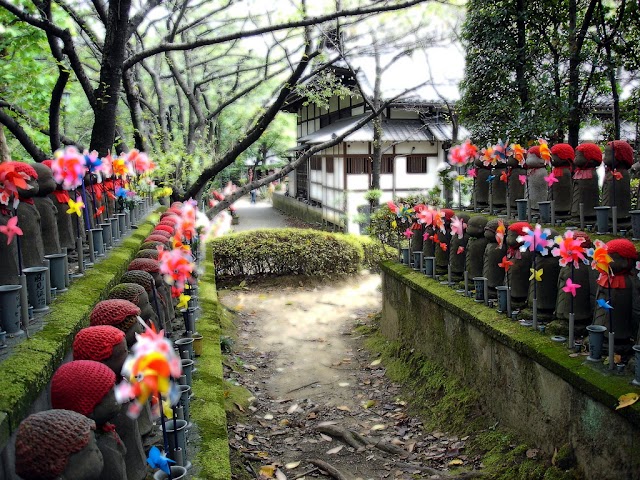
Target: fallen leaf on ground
[
  {"x": 326, "y": 438},
  {"x": 455, "y": 461},
  {"x": 292, "y": 465},
  {"x": 375, "y": 362},
  {"x": 343, "y": 384},
  {"x": 335, "y": 450},
  {"x": 369, "y": 404},
  {"x": 268, "y": 416},
  {"x": 280, "y": 475},
  {"x": 378, "y": 426},
  {"x": 292, "y": 408},
  {"x": 344, "y": 408},
  {"x": 626, "y": 400},
  {"x": 532, "y": 453},
  {"x": 267, "y": 471}
]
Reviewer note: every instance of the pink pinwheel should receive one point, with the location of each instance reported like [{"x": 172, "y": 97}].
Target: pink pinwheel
[
  {"x": 392, "y": 206},
  {"x": 536, "y": 240},
  {"x": 551, "y": 179},
  {"x": 425, "y": 216},
  {"x": 426, "y": 236},
  {"x": 523, "y": 179},
  {"x": 68, "y": 168},
  {"x": 460, "y": 250},
  {"x": 408, "y": 233},
  {"x": 11, "y": 229},
  {"x": 470, "y": 151},
  {"x": 139, "y": 161},
  {"x": 176, "y": 266},
  {"x": 571, "y": 287},
  {"x": 456, "y": 156},
  {"x": 107, "y": 166},
  {"x": 570, "y": 250},
  {"x": 438, "y": 220},
  {"x": 473, "y": 172},
  {"x": 457, "y": 226}
]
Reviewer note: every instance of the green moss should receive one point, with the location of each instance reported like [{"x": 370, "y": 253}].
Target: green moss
[
  {"x": 236, "y": 399},
  {"x": 27, "y": 371},
  {"x": 604, "y": 388},
  {"x": 207, "y": 409}
]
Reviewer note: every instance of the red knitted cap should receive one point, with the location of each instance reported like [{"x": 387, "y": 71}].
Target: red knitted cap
[
  {"x": 113, "y": 312},
  {"x": 145, "y": 264},
  {"x": 169, "y": 214},
  {"x": 48, "y": 163},
  {"x": 564, "y": 151},
  {"x": 162, "y": 233},
  {"x": 46, "y": 440},
  {"x": 143, "y": 279},
  {"x": 591, "y": 152},
  {"x": 448, "y": 213},
  {"x": 518, "y": 227},
  {"x": 96, "y": 343},
  {"x": 535, "y": 150},
  {"x": 164, "y": 228},
  {"x": 623, "y": 151},
  {"x": 157, "y": 238},
  {"x": 623, "y": 247},
  {"x": 81, "y": 385},
  {"x": 148, "y": 253},
  {"x": 169, "y": 221},
  {"x": 22, "y": 167}
]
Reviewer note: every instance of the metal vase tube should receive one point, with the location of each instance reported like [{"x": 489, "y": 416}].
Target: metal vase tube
[
  {"x": 596, "y": 340},
  {"x": 106, "y": 235},
  {"x": 545, "y": 211},
  {"x": 185, "y": 345},
  {"x": 581, "y": 210},
  {"x": 57, "y": 272},
  {"x": 602, "y": 219},
  {"x": 36, "y": 288},
  {"x": 636, "y": 379},
  {"x": 572, "y": 333},
  {"x": 417, "y": 261},
  {"x": 48, "y": 280},
  {"x": 521, "y": 205},
  {"x": 10, "y": 312},
  {"x": 79, "y": 248},
  {"x": 612, "y": 344},
  {"x": 98, "y": 242},
  {"x": 179, "y": 431},
  {"x": 479, "y": 286}
]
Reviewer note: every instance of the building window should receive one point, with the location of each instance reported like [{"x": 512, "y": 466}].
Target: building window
[
  {"x": 329, "y": 164},
  {"x": 417, "y": 163},
  {"x": 316, "y": 163},
  {"x": 358, "y": 165},
  {"x": 386, "y": 166}
]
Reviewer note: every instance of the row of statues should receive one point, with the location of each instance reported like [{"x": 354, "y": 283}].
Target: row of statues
[
  {"x": 572, "y": 183},
  {"x": 88, "y": 434},
  {"x": 481, "y": 250}
]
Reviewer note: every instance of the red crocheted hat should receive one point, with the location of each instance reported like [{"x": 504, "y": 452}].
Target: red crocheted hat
[
  {"x": 591, "y": 152},
  {"x": 46, "y": 440},
  {"x": 518, "y": 227},
  {"x": 148, "y": 253},
  {"x": 169, "y": 214},
  {"x": 22, "y": 167},
  {"x": 158, "y": 238},
  {"x": 622, "y": 247},
  {"x": 81, "y": 385},
  {"x": 48, "y": 163},
  {"x": 587, "y": 239},
  {"x": 96, "y": 343},
  {"x": 623, "y": 151},
  {"x": 535, "y": 150},
  {"x": 118, "y": 313},
  {"x": 172, "y": 220},
  {"x": 448, "y": 213},
  {"x": 564, "y": 151},
  {"x": 164, "y": 228},
  {"x": 162, "y": 233},
  {"x": 145, "y": 264}
]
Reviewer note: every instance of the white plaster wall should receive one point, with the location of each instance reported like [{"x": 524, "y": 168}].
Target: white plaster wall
[
  {"x": 357, "y": 147},
  {"x": 417, "y": 147},
  {"x": 357, "y": 182}
]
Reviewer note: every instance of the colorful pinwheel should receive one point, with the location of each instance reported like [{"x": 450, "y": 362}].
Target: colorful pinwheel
[
  {"x": 458, "y": 226},
  {"x": 536, "y": 240},
  {"x": 11, "y": 229},
  {"x": 473, "y": 172},
  {"x": 500, "y": 231},
  {"x": 570, "y": 250},
  {"x": 601, "y": 260},
  {"x": 537, "y": 274},
  {"x": 75, "y": 206},
  {"x": 522, "y": 179},
  {"x": 505, "y": 264},
  {"x": 158, "y": 460},
  {"x": 68, "y": 168},
  {"x": 518, "y": 153},
  {"x": 570, "y": 287},
  {"x": 408, "y": 233},
  {"x": 551, "y": 179}
]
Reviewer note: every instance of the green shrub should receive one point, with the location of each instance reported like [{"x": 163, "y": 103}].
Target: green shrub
[
  {"x": 374, "y": 252},
  {"x": 287, "y": 251}
]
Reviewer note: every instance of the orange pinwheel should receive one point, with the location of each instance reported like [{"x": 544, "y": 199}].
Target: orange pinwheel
[
  {"x": 505, "y": 264},
  {"x": 545, "y": 152},
  {"x": 119, "y": 167},
  {"x": 601, "y": 260},
  {"x": 518, "y": 153}
]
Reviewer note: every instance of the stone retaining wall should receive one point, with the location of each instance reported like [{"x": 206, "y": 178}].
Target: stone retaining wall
[
  {"x": 297, "y": 209},
  {"x": 529, "y": 383}
]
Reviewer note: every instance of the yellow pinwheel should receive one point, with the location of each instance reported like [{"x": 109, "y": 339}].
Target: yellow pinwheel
[
  {"x": 537, "y": 274},
  {"x": 75, "y": 207},
  {"x": 183, "y": 301}
]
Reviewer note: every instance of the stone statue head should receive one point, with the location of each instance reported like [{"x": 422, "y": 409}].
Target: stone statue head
[
  {"x": 491, "y": 228},
  {"x": 140, "y": 277},
  {"x": 82, "y": 386},
  {"x": 588, "y": 155},
  {"x": 148, "y": 265},
  {"x": 562, "y": 154},
  {"x": 514, "y": 231},
  {"x": 162, "y": 233},
  {"x": 475, "y": 226},
  {"x": 102, "y": 343},
  {"x": 27, "y": 169},
  {"x": 57, "y": 444},
  {"x": 121, "y": 314},
  {"x": 46, "y": 183},
  {"x": 148, "y": 253},
  {"x": 624, "y": 255},
  {"x": 622, "y": 152},
  {"x": 533, "y": 159},
  {"x": 137, "y": 295}
]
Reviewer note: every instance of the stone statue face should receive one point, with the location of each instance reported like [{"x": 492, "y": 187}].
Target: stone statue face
[
  {"x": 107, "y": 409},
  {"x": 556, "y": 161},
  {"x": 46, "y": 182},
  {"x": 475, "y": 226},
  {"x": 580, "y": 161},
  {"x": 32, "y": 192},
  {"x": 130, "y": 335},
  {"x": 86, "y": 464},
  {"x": 620, "y": 264},
  {"x": 533, "y": 161},
  {"x": 512, "y": 162},
  {"x": 512, "y": 239},
  {"x": 118, "y": 357}
]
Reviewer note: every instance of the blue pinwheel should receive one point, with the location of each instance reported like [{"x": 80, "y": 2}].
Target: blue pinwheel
[
  {"x": 158, "y": 460},
  {"x": 92, "y": 161},
  {"x": 604, "y": 304}
]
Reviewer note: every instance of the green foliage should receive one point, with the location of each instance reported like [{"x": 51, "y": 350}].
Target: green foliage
[
  {"x": 373, "y": 195},
  {"x": 380, "y": 226},
  {"x": 286, "y": 252},
  {"x": 324, "y": 86}
]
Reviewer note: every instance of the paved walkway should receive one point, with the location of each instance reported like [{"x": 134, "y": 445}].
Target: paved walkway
[{"x": 258, "y": 215}]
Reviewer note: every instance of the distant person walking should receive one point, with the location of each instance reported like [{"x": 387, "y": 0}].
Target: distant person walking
[
  {"x": 270, "y": 189},
  {"x": 253, "y": 195}
]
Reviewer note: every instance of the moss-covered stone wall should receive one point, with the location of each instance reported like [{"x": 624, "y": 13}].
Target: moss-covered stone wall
[
  {"x": 297, "y": 209},
  {"x": 207, "y": 405},
  {"x": 523, "y": 378}
]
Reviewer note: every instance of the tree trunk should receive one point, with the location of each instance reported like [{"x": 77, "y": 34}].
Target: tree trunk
[
  {"x": 376, "y": 160},
  {"x": 521, "y": 63},
  {"x": 4, "y": 148},
  {"x": 133, "y": 98},
  {"x": 108, "y": 92}
]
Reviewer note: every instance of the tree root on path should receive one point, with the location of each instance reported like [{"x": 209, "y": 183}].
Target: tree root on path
[
  {"x": 357, "y": 441},
  {"x": 330, "y": 469}
]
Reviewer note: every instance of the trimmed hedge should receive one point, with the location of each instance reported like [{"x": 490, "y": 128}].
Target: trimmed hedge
[{"x": 292, "y": 251}]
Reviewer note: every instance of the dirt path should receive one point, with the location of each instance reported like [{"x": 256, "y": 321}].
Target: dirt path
[{"x": 300, "y": 355}]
